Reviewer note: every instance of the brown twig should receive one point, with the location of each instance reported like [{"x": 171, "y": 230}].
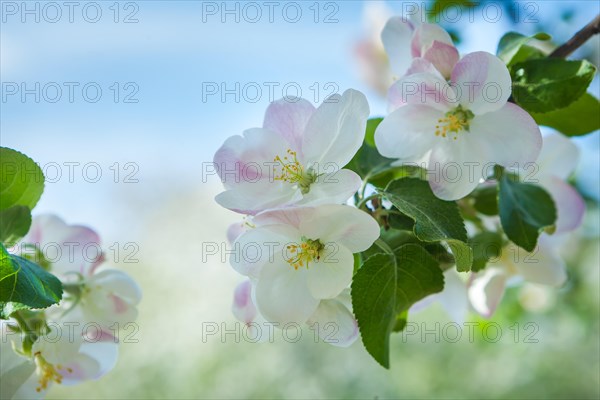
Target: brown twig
[{"x": 578, "y": 39}]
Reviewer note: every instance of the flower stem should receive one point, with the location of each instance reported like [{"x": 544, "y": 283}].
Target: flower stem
[
  {"x": 578, "y": 39},
  {"x": 364, "y": 201}
]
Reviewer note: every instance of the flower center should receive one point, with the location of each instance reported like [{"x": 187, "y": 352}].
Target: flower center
[
  {"x": 301, "y": 255},
  {"x": 47, "y": 372},
  {"x": 290, "y": 170},
  {"x": 455, "y": 121}
]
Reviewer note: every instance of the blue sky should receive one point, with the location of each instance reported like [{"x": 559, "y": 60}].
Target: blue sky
[{"x": 174, "y": 50}]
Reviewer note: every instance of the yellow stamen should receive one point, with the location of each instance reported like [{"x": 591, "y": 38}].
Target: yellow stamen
[
  {"x": 308, "y": 251},
  {"x": 455, "y": 121},
  {"x": 47, "y": 372}
]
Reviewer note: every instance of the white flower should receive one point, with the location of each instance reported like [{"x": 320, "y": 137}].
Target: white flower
[
  {"x": 296, "y": 158},
  {"x": 62, "y": 356},
  {"x": 414, "y": 47},
  {"x": 543, "y": 266},
  {"x": 301, "y": 256},
  {"x": 557, "y": 161},
  {"x": 466, "y": 124},
  {"x": 332, "y": 320},
  {"x": 453, "y": 298},
  {"x": 102, "y": 296},
  {"x": 69, "y": 248}
]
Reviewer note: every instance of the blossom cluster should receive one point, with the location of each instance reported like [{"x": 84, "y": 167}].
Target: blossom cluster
[
  {"x": 444, "y": 108},
  {"x": 78, "y": 338}
]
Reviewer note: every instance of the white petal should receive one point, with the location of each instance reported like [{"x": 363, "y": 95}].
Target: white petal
[
  {"x": 454, "y": 297},
  {"x": 336, "y": 130},
  {"x": 335, "y": 323},
  {"x": 457, "y": 166},
  {"x": 332, "y": 188},
  {"x": 261, "y": 246},
  {"x": 289, "y": 118},
  {"x": 543, "y": 266},
  {"x": 331, "y": 274},
  {"x": 396, "y": 37},
  {"x": 282, "y": 294},
  {"x": 15, "y": 370},
  {"x": 253, "y": 197},
  {"x": 249, "y": 159},
  {"x": 570, "y": 206},
  {"x": 483, "y": 82},
  {"x": 118, "y": 283},
  {"x": 407, "y": 133},
  {"x": 243, "y": 308},
  {"x": 486, "y": 291},
  {"x": 510, "y": 135},
  {"x": 425, "y": 36},
  {"x": 344, "y": 225},
  {"x": 423, "y": 88},
  {"x": 559, "y": 156}
]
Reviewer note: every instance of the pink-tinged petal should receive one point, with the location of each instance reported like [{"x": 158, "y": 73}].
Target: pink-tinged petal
[
  {"x": 510, "y": 136},
  {"x": 569, "y": 204},
  {"x": 422, "y": 89},
  {"x": 456, "y": 167},
  {"x": 69, "y": 248},
  {"x": 486, "y": 290},
  {"x": 396, "y": 37},
  {"x": 343, "y": 225},
  {"x": 249, "y": 158},
  {"x": 235, "y": 230},
  {"x": 93, "y": 362},
  {"x": 335, "y": 323},
  {"x": 408, "y": 133},
  {"x": 332, "y": 188},
  {"x": 283, "y": 216},
  {"x": 260, "y": 246},
  {"x": 443, "y": 56},
  {"x": 282, "y": 294},
  {"x": 250, "y": 198},
  {"x": 243, "y": 308},
  {"x": 559, "y": 156},
  {"x": 483, "y": 82},
  {"x": 332, "y": 273},
  {"x": 118, "y": 283},
  {"x": 425, "y": 36},
  {"x": 336, "y": 130},
  {"x": 544, "y": 265},
  {"x": 418, "y": 65},
  {"x": 288, "y": 119}
]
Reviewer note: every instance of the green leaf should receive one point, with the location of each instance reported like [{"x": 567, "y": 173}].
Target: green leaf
[
  {"x": 439, "y": 6},
  {"x": 549, "y": 84},
  {"x": 486, "y": 200},
  {"x": 579, "y": 118},
  {"x": 463, "y": 255},
  {"x": 512, "y": 43},
  {"x": 435, "y": 219},
  {"x": 383, "y": 290},
  {"x": 372, "y": 125},
  {"x": 26, "y": 284},
  {"x": 525, "y": 210},
  {"x": 486, "y": 246},
  {"x": 22, "y": 180},
  {"x": 14, "y": 223}
]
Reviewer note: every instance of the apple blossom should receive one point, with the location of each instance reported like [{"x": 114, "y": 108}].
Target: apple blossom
[
  {"x": 557, "y": 161},
  {"x": 453, "y": 298},
  {"x": 300, "y": 256},
  {"x": 412, "y": 46},
  {"x": 332, "y": 320},
  {"x": 296, "y": 158},
  {"x": 459, "y": 124},
  {"x": 105, "y": 296},
  {"x": 543, "y": 266},
  {"x": 62, "y": 356}
]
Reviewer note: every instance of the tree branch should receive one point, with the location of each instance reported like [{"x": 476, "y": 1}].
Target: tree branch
[{"x": 578, "y": 39}]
